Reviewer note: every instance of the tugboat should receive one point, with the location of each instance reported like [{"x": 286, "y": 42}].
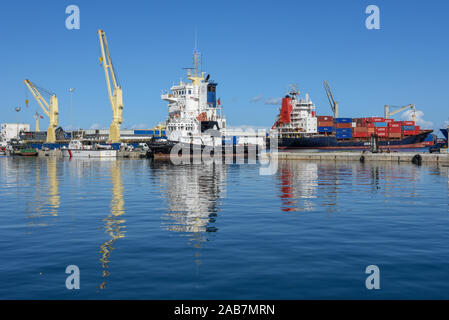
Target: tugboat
[{"x": 195, "y": 116}]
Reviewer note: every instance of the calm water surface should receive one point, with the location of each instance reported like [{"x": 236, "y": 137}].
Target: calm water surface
[{"x": 150, "y": 230}]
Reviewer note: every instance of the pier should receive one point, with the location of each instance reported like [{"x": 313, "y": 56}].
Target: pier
[{"x": 408, "y": 157}]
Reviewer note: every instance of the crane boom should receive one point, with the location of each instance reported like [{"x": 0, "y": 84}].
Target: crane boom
[
  {"x": 114, "y": 92},
  {"x": 389, "y": 113},
  {"x": 330, "y": 97},
  {"x": 50, "y": 109}
]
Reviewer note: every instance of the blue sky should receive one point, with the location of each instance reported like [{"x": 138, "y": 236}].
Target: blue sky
[{"x": 253, "y": 49}]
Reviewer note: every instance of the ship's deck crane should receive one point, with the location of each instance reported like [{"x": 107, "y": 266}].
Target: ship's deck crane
[
  {"x": 51, "y": 109},
  {"x": 389, "y": 113},
  {"x": 115, "y": 93},
  {"x": 330, "y": 96}
]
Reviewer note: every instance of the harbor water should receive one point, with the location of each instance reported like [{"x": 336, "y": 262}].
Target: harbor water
[{"x": 140, "y": 229}]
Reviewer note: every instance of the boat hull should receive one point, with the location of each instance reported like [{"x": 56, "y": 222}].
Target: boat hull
[
  {"x": 332, "y": 143},
  {"x": 444, "y": 131},
  {"x": 162, "y": 150},
  {"x": 73, "y": 153}
]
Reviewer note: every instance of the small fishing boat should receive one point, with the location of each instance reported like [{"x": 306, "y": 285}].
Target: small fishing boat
[{"x": 27, "y": 152}]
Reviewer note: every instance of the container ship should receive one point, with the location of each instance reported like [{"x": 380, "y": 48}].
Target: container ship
[{"x": 298, "y": 127}]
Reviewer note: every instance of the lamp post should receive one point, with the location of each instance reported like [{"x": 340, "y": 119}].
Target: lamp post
[
  {"x": 17, "y": 110},
  {"x": 71, "y": 124}
]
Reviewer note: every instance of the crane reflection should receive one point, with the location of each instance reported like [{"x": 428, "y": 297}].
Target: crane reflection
[
  {"x": 114, "y": 222},
  {"x": 47, "y": 197}
]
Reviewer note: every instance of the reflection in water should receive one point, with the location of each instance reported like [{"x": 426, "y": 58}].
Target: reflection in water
[
  {"x": 113, "y": 224},
  {"x": 46, "y": 203},
  {"x": 306, "y": 185},
  {"x": 298, "y": 185},
  {"x": 193, "y": 192}
]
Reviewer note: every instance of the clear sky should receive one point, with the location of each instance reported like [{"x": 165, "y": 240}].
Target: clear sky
[{"x": 253, "y": 49}]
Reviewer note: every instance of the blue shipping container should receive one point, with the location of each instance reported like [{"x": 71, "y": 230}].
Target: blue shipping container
[
  {"x": 343, "y": 120},
  {"x": 344, "y": 136},
  {"x": 380, "y": 124},
  {"x": 325, "y": 129},
  {"x": 408, "y": 128},
  {"x": 344, "y": 130}
]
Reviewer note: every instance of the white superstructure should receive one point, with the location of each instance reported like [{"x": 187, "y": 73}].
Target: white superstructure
[
  {"x": 12, "y": 130},
  {"x": 297, "y": 116},
  {"x": 195, "y": 116}
]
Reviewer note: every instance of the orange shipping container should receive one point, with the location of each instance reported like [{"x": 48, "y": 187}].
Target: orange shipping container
[
  {"x": 395, "y": 135},
  {"x": 344, "y": 125},
  {"x": 325, "y": 123}
]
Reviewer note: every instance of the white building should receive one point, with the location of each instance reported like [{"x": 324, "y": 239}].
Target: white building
[{"x": 12, "y": 130}]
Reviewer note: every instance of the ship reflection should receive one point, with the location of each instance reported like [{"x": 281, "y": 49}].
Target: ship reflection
[
  {"x": 46, "y": 203},
  {"x": 193, "y": 193},
  {"x": 298, "y": 182},
  {"x": 114, "y": 222}
]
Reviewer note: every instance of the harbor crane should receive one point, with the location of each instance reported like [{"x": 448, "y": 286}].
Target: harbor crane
[
  {"x": 51, "y": 109},
  {"x": 330, "y": 96},
  {"x": 389, "y": 113},
  {"x": 37, "y": 116},
  {"x": 114, "y": 93}
]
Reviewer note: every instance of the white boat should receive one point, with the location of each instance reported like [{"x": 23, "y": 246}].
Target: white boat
[{"x": 77, "y": 149}]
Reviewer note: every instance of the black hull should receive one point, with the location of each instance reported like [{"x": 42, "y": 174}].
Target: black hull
[
  {"x": 331, "y": 142},
  {"x": 164, "y": 149}
]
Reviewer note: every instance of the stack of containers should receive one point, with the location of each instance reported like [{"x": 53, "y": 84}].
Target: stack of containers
[
  {"x": 325, "y": 124},
  {"x": 343, "y": 128},
  {"x": 381, "y": 129},
  {"x": 360, "y": 130},
  {"x": 395, "y": 130},
  {"x": 408, "y": 128}
]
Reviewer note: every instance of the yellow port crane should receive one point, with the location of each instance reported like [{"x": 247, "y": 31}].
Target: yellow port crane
[
  {"x": 115, "y": 94},
  {"x": 389, "y": 113},
  {"x": 36, "y": 117},
  {"x": 51, "y": 109},
  {"x": 330, "y": 96}
]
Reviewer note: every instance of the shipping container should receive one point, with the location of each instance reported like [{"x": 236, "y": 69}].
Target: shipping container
[
  {"x": 408, "y": 123},
  {"x": 389, "y": 121},
  {"x": 325, "y": 118},
  {"x": 382, "y": 134},
  {"x": 395, "y": 135},
  {"x": 325, "y": 129},
  {"x": 344, "y": 125},
  {"x": 394, "y": 130},
  {"x": 408, "y": 128},
  {"x": 325, "y": 123},
  {"x": 344, "y": 136},
  {"x": 409, "y": 132},
  {"x": 361, "y": 129},
  {"x": 344, "y": 129},
  {"x": 395, "y": 125},
  {"x": 380, "y": 124},
  {"x": 343, "y": 120},
  {"x": 360, "y": 134}
]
